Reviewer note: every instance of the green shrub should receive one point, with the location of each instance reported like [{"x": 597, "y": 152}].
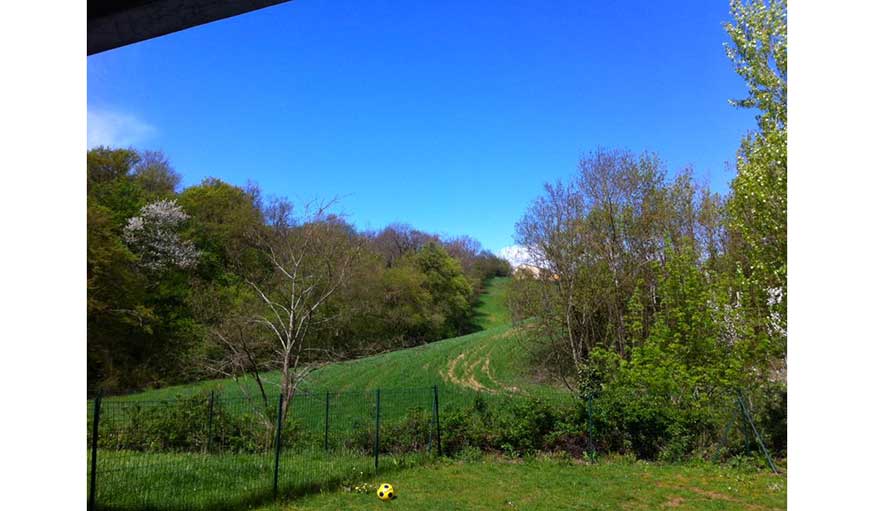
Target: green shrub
[
  {"x": 410, "y": 434},
  {"x": 525, "y": 427}
]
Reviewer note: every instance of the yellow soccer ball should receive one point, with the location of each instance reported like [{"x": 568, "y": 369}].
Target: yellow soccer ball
[{"x": 385, "y": 492}]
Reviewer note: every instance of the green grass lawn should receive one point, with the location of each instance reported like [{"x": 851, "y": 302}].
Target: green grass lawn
[
  {"x": 194, "y": 481},
  {"x": 549, "y": 485}
]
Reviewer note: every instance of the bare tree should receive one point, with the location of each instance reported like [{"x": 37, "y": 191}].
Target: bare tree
[
  {"x": 551, "y": 231},
  {"x": 466, "y": 250},
  {"x": 309, "y": 259},
  {"x": 396, "y": 240}
]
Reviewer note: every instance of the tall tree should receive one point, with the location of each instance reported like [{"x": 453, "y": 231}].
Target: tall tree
[{"x": 757, "y": 205}]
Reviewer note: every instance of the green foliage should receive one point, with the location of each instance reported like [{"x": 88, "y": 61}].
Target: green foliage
[
  {"x": 662, "y": 298},
  {"x": 409, "y": 303},
  {"x": 514, "y": 427},
  {"x": 410, "y": 434},
  {"x": 757, "y": 207},
  {"x": 759, "y": 52},
  {"x": 138, "y": 325},
  {"x": 450, "y": 290},
  {"x": 489, "y": 266},
  {"x": 223, "y": 218},
  {"x": 154, "y": 325},
  {"x": 670, "y": 396},
  {"x": 181, "y": 426}
]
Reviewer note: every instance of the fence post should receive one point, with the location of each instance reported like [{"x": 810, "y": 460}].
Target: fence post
[
  {"x": 437, "y": 420},
  {"x": 95, "y": 429},
  {"x": 278, "y": 447},
  {"x": 327, "y": 410},
  {"x": 431, "y": 424},
  {"x": 376, "y": 441},
  {"x": 209, "y": 423},
  {"x": 758, "y": 437}
]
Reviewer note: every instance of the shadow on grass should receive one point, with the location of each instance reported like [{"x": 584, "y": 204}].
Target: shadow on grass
[{"x": 185, "y": 488}]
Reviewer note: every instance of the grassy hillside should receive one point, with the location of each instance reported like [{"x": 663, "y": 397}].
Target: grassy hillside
[
  {"x": 492, "y": 360},
  {"x": 491, "y": 310}
]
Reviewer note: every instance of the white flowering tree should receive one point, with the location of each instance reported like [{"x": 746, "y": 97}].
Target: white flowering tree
[{"x": 154, "y": 236}]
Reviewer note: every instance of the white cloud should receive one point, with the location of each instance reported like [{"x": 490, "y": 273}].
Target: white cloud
[
  {"x": 116, "y": 129},
  {"x": 516, "y": 254}
]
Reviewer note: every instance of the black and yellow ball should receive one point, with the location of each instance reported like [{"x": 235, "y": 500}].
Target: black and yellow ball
[{"x": 385, "y": 492}]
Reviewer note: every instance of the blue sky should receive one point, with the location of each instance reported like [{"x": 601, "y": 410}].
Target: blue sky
[{"x": 446, "y": 115}]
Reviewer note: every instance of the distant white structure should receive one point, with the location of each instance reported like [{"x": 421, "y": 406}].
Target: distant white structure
[
  {"x": 529, "y": 269},
  {"x": 522, "y": 262}
]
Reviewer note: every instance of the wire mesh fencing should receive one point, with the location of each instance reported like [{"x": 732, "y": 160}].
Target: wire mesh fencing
[
  {"x": 231, "y": 451},
  {"x": 210, "y": 451}
]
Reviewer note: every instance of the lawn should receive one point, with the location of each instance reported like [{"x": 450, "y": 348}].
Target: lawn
[
  {"x": 549, "y": 484},
  {"x": 195, "y": 481}
]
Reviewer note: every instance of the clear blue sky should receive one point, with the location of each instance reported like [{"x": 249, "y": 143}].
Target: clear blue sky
[{"x": 446, "y": 115}]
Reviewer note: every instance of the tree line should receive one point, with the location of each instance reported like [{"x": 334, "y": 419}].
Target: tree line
[
  {"x": 655, "y": 293},
  {"x": 215, "y": 280}
]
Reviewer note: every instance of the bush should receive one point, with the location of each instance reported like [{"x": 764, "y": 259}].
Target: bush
[
  {"x": 513, "y": 427},
  {"x": 524, "y": 429},
  {"x": 467, "y": 427},
  {"x": 182, "y": 425},
  {"x": 645, "y": 411},
  {"x": 408, "y": 435}
]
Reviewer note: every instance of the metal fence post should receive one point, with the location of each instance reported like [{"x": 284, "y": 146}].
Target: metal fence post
[
  {"x": 749, "y": 418},
  {"x": 278, "y": 447},
  {"x": 431, "y": 423},
  {"x": 209, "y": 422},
  {"x": 437, "y": 420},
  {"x": 376, "y": 441},
  {"x": 327, "y": 411},
  {"x": 95, "y": 429}
]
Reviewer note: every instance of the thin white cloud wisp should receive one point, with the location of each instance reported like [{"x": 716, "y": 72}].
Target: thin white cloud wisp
[{"x": 116, "y": 129}]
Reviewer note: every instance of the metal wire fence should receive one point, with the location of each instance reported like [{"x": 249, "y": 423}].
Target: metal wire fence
[
  {"x": 214, "y": 452},
  {"x": 217, "y": 451}
]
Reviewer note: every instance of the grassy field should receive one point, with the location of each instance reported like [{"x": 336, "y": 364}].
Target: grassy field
[
  {"x": 550, "y": 484},
  {"x": 492, "y": 360},
  {"x": 190, "y": 481}
]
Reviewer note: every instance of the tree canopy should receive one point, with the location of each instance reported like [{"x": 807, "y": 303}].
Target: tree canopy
[{"x": 175, "y": 278}]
